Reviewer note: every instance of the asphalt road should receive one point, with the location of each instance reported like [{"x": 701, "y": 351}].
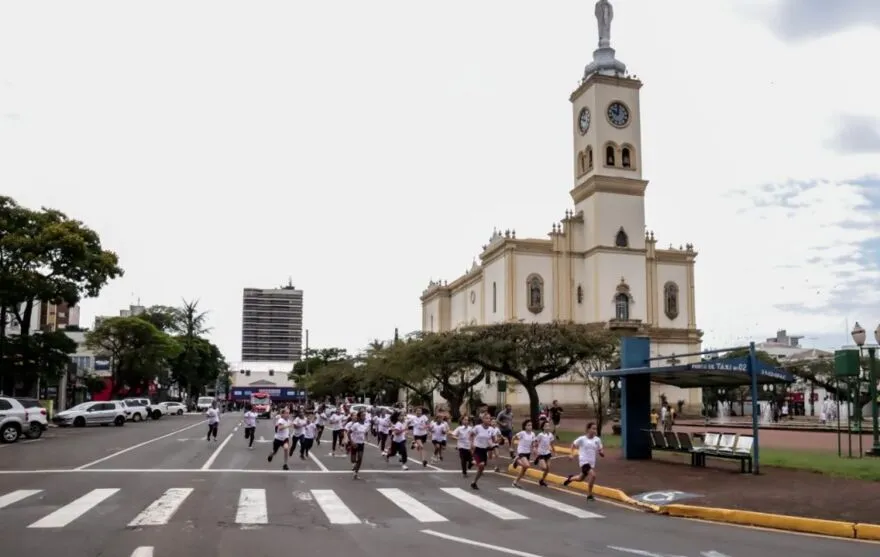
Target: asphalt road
[{"x": 160, "y": 489}]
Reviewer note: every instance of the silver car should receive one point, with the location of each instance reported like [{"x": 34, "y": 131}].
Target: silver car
[{"x": 93, "y": 413}]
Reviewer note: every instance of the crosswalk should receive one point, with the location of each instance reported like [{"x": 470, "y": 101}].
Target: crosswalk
[{"x": 252, "y": 506}]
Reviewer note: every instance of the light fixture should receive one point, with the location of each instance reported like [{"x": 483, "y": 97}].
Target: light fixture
[
  {"x": 859, "y": 336},
  {"x": 877, "y": 334}
]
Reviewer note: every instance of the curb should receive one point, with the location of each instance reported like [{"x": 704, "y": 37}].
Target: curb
[{"x": 833, "y": 528}]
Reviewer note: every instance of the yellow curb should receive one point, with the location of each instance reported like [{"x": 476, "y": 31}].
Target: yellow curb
[
  {"x": 764, "y": 520},
  {"x": 868, "y": 531}
]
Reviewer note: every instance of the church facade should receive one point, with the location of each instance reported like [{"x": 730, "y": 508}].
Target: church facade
[{"x": 599, "y": 264}]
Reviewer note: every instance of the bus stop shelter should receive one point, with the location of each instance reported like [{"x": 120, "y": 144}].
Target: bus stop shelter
[{"x": 637, "y": 373}]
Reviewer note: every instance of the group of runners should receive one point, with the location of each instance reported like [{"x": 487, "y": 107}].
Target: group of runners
[{"x": 479, "y": 440}]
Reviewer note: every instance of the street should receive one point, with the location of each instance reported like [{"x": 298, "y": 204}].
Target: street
[{"x": 160, "y": 489}]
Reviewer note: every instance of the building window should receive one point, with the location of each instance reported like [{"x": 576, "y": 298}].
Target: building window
[
  {"x": 535, "y": 293},
  {"x": 609, "y": 155},
  {"x": 432, "y": 324},
  {"x": 582, "y": 163},
  {"x": 670, "y": 300},
  {"x": 589, "y": 158},
  {"x": 621, "y": 303},
  {"x": 626, "y": 158},
  {"x": 622, "y": 240},
  {"x": 494, "y": 297},
  {"x": 580, "y": 294}
]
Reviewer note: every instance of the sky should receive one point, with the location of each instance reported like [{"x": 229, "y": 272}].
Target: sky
[{"x": 362, "y": 149}]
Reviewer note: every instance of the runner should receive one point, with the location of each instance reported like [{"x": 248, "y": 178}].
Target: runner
[
  {"x": 482, "y": 438},
  {"x": 296, "y": 432},
  {"x": 321, "y": 418},
  {"x": 383, "y": 426},
  {"x": 462, "y": 436},
  {"x": 357, "y": 436},
  {"x": 398, "y": 440},
  {"x": 588, "y": 446},
  {"x": 282, "y": 436},
  {"x": 525, "y": 444},
  {"x": 250, "y": 424},
  {"x": 213, "y": 421},
  {"x": 505, "y": 426},
  {"x": 439, "y": 430},
  {"x": 335, "y": 421},
  {"x": 545, "y": 450},
  {"x": 420, "y": 434},
  {"x": 496, "y": 439},
  {"x": 309, "y": 432}
]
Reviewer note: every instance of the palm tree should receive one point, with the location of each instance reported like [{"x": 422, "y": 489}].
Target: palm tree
[{"x": 191, "y": 321}]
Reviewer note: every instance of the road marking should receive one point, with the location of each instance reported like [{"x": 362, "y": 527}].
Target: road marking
[
  {"x": 70, "y": 512},
  {"x": 214, "y": 471},
  {"x": 475, "y": 543},
  {"x": 484, "y": 505},
  {"x": 17, "y": 496},
  {"x": 162, "y": 509},
  {"x": 139, "y": 445},
  {"x": 641, "y": 552},
  {"x": 318, "y": 462},
  {"x": 216, "y": 453},
  {"x": 431, "y": 466},
  {"x": 252, "y": 507},
  {"x": 143, "y": 551},
  {"x": 337, "y": 512},
  {"x": 552, "y": 503},
  {"x": 411, "y": 505}
]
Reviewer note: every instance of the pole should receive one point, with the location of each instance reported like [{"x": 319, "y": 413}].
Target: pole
[
  {"x": 849, "y": 415},
  {"x": 837, "y": 401},
  {"x": 753, "y": 373},
  {"x": 307, "y": 362},
  {"x": 875, "y": 407}
]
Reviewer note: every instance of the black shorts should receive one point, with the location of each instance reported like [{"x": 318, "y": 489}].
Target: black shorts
[
  {"x": 441, "y": 443},
  {"x": 544, "y": 457},
  {"x": 585, "y": 468},
  {"x": 277, "y": 444},
  {"x": 421, "y": 438},
  {"x": 507, "y": 433},
  {"x": 481, "y": 455},
  {"x": 524, "y": 455}
]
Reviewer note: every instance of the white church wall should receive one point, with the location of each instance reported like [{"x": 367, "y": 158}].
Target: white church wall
[
  {"x": 494, "y": 277},
  {"x": 614, "y": 266},
  {"x": 431, "y": 316},
  {"x": 677, "y": 273},
  {"x": 525, "y": 266},
  {"x": 458, "y": 309}
]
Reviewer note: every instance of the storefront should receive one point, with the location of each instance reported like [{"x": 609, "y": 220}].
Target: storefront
[{"x": 278, "y": 394}]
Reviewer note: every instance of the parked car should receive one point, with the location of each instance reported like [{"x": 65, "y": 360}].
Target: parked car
[
  {"x": 152, "y": 412},
  {"x": 204, "y": 403},
  {"x": 36, "y": 417},
  {"x": 93, "y": 413},
  {"x": 13, "y": 421},
  {"x": 174, "y": 408},
  {"x": 136, "y": 412}
]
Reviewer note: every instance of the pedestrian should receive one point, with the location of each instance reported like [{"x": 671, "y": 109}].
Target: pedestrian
[
  {"x": 587, "y": 448},
  {"x": 439, "y": 430},
  {"x": 462, "y": 436},
  {"x": 525, "y": 445},
  {"x": 420, "y": 434},
  {"x": 296, "y": 432},
  {"x": 357, "y": 437},
  {"x": 482, "y": 439},
  {"x": 282, "y": 436},
  {"x": 545, "y": 449},
  {"x": 398, "y": 440},
  {"x": 555, "y": 414},
  {"x": 250, "y": 424},
  {"x": 505, "y": 426},
  {"x": 213, "y": 416},
  {"x": 335, "y": 421},
  {"x": 309, "y": 432},
  {"x": 383, "y": 427}
]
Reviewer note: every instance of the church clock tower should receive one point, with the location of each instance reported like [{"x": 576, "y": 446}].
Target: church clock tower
[{"x": 608, "y": 186}]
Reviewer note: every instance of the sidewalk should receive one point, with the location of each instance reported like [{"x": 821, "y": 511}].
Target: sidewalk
[{"x": 776, "y": 490}]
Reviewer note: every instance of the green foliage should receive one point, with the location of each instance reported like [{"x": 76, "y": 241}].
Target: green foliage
[
  {"x": 138, "y": 351},
  {"x": 48, "y": 353},
  {"x": 315, "y": 359}
]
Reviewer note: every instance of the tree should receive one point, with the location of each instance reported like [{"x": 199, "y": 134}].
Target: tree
[
  {"x": 198, "y": 364},
  {"x": 45, "y": 256},
  {"x": 334, "y": 379},
  {"x": 46, "y": 352},
  {"x": 164, "y": 318},
  {"x": 535, "y": 353},
  {"x": 315, "y": 359},
  {"x": 597, "y": 386},
  {"x": 399, "y": 365},
  {"x": 138, "y": 351}
]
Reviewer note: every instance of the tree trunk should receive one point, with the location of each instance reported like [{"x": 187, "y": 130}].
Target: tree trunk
[{"x": 534, "y": 402}]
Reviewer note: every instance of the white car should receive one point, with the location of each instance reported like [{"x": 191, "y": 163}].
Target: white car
[
  {"x": 173, "y": 408},
  {"x": 204, "y": 403},
  {"x": 36, "y": 417},
  {"x": 93, "y": 413},
  {"x": 136, "y": 412}
]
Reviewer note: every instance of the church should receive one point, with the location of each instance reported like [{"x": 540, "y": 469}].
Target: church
[{"x": 599, "y": 264}]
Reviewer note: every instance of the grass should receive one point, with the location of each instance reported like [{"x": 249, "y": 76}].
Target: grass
[{"x": 821, "y": 462}]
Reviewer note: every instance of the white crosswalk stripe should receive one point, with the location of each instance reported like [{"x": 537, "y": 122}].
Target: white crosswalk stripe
[
  {"x": 163, "y": 508},
  {"x": 252, "y": 507},
  {"x": 70, "y": 512}
]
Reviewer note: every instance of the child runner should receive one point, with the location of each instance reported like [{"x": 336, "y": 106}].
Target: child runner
[
  {"x": 335, "y": 421},
  {"x": 319, "y": 423},
  {"x": 525, "y": 443},
  {"x": 439, "y": 429},
  {"x": 588, "y": 446},
  {"x": 309, "y": 432},
  {"x": 462, "y": 436},
  {"x": 213, "y": 421},
  {"x": 420, "y": 434},
  {"x": 383, "y": 426},
  {"x": 357, "y": 436},
  {"x": 545, "y": 451},
  {"x": 398, "y": 440},
  {"x": 496, "y": 439},
  {"x": 296, "y": 431},
  {"x": 282, "y": 436},
  {"x": 482, "y": 439},
  {"x": 250, "y": 424}
]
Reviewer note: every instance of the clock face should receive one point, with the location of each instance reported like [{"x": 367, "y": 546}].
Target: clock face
[
  {"x": 584, "y": 120},
  {"x": 618, "y": 114}
]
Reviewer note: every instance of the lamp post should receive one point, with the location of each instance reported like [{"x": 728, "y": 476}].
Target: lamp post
[{"x": 859, "y": 336}]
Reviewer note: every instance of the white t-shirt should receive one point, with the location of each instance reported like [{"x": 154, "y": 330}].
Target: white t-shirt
[
  {"x": 357, "y": 432},
  {"x": 319, "y": 419},
  {"x": 384, "y": 425},
  {"x": 420, "y": 425},
  {"x": 462, "y": 435},
  {"x": 282, "y": 429},
  {"x": 439, "y": 431},
  {"x": 298, "y": 425},
  {"x": 213, "y": 416},
  {"x": 483, "y": 437},
  {"x": 495, "y": 434},
  {"x": 398, "y": 432},
  {"x": 250, "y": 419},
  {"x": 524, "y": 442},
  {"x": 545, "y": 443},
  {"x": 310, "y": 430},
  {"x": 588, "y": 449},
  {"x": 335, "y": 421}
]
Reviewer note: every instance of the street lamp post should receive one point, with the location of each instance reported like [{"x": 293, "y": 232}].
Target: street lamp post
[{"x": 859, "y": 336}]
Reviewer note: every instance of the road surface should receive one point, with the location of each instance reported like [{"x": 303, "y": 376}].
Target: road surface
[{"x": 160, "y": 489}]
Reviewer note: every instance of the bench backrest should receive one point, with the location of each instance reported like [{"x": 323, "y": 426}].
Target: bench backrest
[
  {"x": 658, "y": 440},
  {"x": 744, "y": 443},
  {"x": 671, "y": 439},
  {"x": 710, "y": 440},
  {"x": 728, "y": 441},
  {"x": 684, "y": 440}
]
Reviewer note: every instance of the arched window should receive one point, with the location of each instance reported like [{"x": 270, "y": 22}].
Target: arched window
[
  {"x": 589, "y": 158},
  {"x": 609, "y": 155},
  {"x": 582, "y": 163},
  {"x": 621, "y": 307},
  {"x": 670, "y": 300},
  {"x": 622, "y": 240},
  {"x": 432, "y": 323},
  {"x": 580, "y": 294},
  {"x": 625, "y": 158},
  {"x": 535, "y": 293},
  {"x": 494, "y": 297}
]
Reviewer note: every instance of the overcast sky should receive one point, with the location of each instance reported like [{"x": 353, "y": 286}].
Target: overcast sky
[{"x": 363, "y": 148}]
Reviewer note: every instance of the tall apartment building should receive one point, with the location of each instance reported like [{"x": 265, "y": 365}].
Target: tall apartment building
[
  {"x": 46, "y": 316},
  {"x": 272, "y": 324}
]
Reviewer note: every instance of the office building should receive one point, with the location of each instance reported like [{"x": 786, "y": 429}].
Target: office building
[{"x": 272, "y": 324}]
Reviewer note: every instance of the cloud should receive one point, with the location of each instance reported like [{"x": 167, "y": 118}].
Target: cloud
[
  {"x": 856, "y": 135},
  {"x": 796, "y": 20}
]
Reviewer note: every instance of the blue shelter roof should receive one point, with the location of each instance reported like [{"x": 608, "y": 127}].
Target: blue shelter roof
[{"x": 721, "y": 372}]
